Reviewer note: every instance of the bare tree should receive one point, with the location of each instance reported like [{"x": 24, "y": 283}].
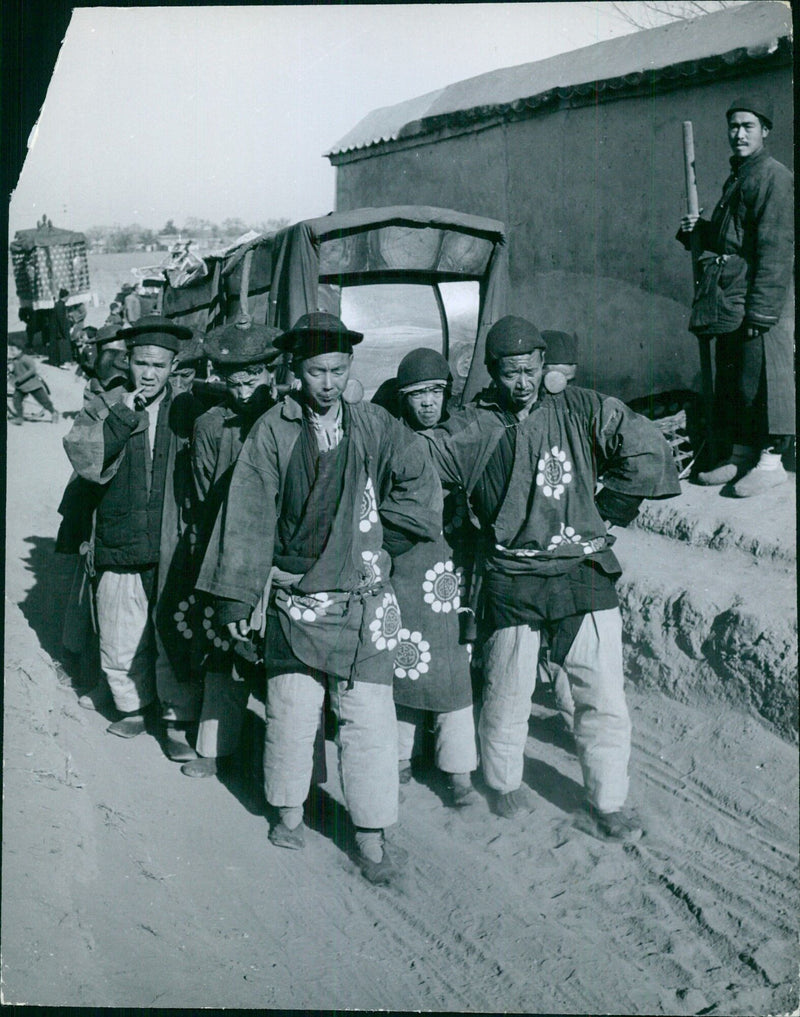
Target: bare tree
[{"x": 651, "y": 13}]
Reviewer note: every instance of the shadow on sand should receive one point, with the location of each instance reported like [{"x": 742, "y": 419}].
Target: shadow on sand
[{"x": 45, "y": 604}]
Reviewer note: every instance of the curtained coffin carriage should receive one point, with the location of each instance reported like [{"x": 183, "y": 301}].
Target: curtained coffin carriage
[{"x": 404, "y": 261}]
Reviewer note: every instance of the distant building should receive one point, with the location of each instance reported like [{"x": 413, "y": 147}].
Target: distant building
[{"x": 580, "y": 155}]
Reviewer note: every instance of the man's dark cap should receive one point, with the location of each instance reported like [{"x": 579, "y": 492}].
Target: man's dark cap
[
  {"x": 512, "y": 337},
  {"x": 562, "y": 347},
  {"x": 757, "y": 104},
  {"x": 242, "y": 342},
  {"x": 190, "y": 352},
  {"x": 155, "y": 330},
  {"x": 317, "y": 333},
  {"x": 104, "y": 334},
  {"x": 421, "y": 366}
]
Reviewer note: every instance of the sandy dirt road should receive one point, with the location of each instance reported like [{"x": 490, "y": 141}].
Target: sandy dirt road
[{"x": 126, "y": 884}]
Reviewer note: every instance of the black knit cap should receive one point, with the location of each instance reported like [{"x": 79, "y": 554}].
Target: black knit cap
[
  {"x": 155, "y": 330},
  {"x": 752, "y": 103},
  {"x": 317, "y": 333},
  {"x": 242, "y": 342},
  {"x": 420, "y": 366},
  {"x": 512, "y": 337},
  {"x": 562, "y": 347}
]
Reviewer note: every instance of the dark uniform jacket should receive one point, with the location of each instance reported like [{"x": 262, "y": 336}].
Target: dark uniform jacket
[
  {"x": 531, "y": 485},
  {"x": 144, "y": 495},
  {"x": 342, "y": 615},
  {"x": 216, "y": 442}
]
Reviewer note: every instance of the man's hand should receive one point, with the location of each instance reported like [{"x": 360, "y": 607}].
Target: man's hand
[
  {"x": 239, "y": 630},
  {"x": 688, "y": 222},
  {"x": 285, "y": 580},
  {"x": 130, "y": 398}
]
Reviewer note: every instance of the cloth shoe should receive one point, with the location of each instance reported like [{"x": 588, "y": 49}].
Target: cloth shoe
[
  {"x": 55, "y": 417},
  {"x": 369, "y": 844},
  {"x": 767, "y": 473},
  {"x": 203, "y": 766},
  {"x": 460, "y": 792},
  {"x": 281, "y": 836},
  {"x": 622, "y": 825},
  {"x": 97, "y": 698},
  {"x": 129, "y": 726},
  {"x": 176, "y": 744},
  {"x": 736, "y": 465},
  {"x": 511, "y": 803}
]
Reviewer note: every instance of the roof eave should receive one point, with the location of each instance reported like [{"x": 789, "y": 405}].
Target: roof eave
[{"x": 773, "y": 53}]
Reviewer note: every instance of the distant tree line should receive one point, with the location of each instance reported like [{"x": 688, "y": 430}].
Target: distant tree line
[{"x": 135, "y": 237}]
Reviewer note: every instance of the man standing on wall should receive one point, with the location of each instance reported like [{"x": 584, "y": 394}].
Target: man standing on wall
[{"x": 746, "y": 300}]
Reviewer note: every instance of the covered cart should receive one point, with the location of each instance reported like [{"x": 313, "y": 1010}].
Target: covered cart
[{"x": 406, "y": 275}]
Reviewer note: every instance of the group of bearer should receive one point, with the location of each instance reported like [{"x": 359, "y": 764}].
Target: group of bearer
[
  {"x": 383, "y": 558},
  {"x": 328, "y": 547}
]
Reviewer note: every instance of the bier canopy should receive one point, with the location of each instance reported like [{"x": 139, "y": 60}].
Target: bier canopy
[
  {"x": 47, "y": 259},
  {"x": 276, "y": 278}
]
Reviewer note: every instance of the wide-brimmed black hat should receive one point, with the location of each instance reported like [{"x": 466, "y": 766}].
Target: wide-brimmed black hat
[
  {"x": 104, "y": 334},
  {"x": 317, "y": 333},
  {"x": 155, "y": 330},
  {"x": 242, "y": 342}
]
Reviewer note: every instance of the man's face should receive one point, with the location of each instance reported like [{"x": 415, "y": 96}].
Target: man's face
[
  {"x": 746, "y": 133},
  {"x": 150, "y": 368},
  {"x": 518, "y": 379},
  {"x": 242, "y": 382},
  {"x": 423, "y": 407},
  {"x": 13, "y": 351},
  {"x": 112, "y": 362},
  {"x": 323, "y": 379},
  {"x": 182, "y": 378}
]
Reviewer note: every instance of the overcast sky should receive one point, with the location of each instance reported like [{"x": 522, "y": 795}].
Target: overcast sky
[{"x": 217, "y": 112}]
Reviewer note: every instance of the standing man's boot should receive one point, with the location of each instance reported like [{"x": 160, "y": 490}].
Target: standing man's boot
[
  {"x": 176, "y": 743},
  {"x": 741, "y": 459},
  {"x": 130, "y": 725},
  {"x": 767, "y": 473}
]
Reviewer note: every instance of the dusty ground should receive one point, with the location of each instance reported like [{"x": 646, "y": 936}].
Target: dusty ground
[{"x": 126, "y": 884}]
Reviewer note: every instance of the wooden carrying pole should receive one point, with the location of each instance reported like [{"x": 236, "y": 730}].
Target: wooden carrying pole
[{"x": 693, "y": 208}]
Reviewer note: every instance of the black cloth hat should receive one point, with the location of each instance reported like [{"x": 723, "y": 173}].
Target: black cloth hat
[
  {"x": 512, "y": 337},
  {"x": 242, "y": 342},
  {"x": 190, "y": 352},
  {"x": 155, "y": 330},
  {"x": 562, "y": 347},
  {"x": 317, "y": 333},
  {"x": 421, "y": 366},
  {"x": 752, "y": 104},
  {"x": 105, "y": 334}
]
